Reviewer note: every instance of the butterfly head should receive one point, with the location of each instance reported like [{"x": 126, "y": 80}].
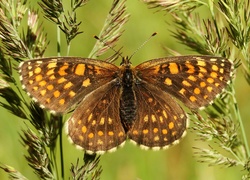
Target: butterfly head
[{"x": 126, "y": 62}]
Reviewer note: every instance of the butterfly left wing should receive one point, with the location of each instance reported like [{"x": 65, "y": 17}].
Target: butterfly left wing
[
  {"x": 160, "y": 121},
  {"x": 194, "y": 80},
  {"x": 59, "y": 83},
  {"x": 95, "y": 125}
]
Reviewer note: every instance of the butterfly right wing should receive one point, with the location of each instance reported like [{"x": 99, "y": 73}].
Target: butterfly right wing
[
  {"x": 60, "y": 83},
  {"x": 160, "y": 121},
  {"x": 194, "y": 80}
]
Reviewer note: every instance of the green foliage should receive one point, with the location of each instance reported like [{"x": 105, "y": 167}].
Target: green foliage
[{"x": 223, "y": 32}]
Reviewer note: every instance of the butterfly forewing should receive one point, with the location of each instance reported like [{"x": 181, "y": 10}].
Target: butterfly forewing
[
  {"x": 60, "y": 83},
  {"x": 194, "y": 80},
  {"x": 160, "y": 121}
]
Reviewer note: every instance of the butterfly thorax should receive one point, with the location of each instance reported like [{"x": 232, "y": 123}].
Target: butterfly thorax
[{"x": 128, "y": 105}]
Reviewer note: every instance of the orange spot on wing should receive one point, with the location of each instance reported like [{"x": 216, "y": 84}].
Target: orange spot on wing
[
  {"x": 80, "y": 69},
  {"x": 173, "y": 68}
]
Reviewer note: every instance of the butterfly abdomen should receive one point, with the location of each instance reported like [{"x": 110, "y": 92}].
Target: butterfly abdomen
[{"x": 128, "y": 105}]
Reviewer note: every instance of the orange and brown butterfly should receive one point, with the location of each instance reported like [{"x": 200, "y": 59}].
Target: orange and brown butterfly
[{"x": 116, "y": 103}]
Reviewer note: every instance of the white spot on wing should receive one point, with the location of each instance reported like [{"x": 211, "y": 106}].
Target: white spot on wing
[{"x": 20, "y": 64}]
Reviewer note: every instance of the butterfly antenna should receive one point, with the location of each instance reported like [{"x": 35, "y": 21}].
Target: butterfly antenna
[
  {"x": 145, "y": 42},
  {"x": 117, "y": 52}
]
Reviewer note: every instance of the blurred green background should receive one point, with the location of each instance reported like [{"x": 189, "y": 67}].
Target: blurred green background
[{"x": 129, "y": 162}]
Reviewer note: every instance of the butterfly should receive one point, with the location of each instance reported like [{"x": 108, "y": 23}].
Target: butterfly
[{"x": 115, "y": 103}]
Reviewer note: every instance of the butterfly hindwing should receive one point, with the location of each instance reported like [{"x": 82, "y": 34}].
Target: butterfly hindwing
[
  {"x": 95, "y": 125},
  {"x": 160, "y": 121}
]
